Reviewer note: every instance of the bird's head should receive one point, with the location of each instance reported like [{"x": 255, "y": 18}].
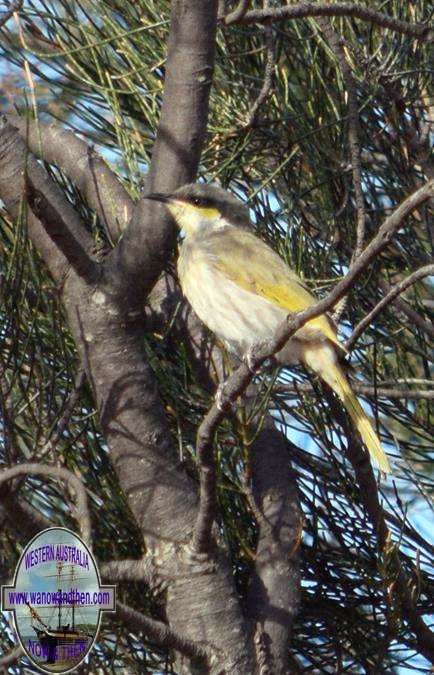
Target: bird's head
[{"x": 199, "y": 207}]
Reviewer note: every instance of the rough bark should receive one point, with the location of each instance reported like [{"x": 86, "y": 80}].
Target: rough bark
[
  {"x": 274, "y": 595},
  {"x": 161, "y": 497},
  {"x": 275, "y": 587},
  {"x": 98, "y": 185},
  {"x": 145, "y": 246}
]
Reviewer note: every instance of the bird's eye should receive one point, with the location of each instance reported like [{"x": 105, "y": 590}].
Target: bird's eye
[{"x": 197, "y": 201}]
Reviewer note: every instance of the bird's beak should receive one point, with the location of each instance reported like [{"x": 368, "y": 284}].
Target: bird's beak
[{"x": 158, "y": 197}]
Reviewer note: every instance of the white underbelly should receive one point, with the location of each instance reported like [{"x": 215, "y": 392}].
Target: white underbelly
[{"x": 235, "y": 315}]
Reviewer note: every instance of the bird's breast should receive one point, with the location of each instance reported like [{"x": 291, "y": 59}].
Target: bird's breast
[{"x": 237, "y": 316}]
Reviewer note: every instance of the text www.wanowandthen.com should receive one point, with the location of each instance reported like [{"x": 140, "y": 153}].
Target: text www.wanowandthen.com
[{"x": 71, "y": 597}]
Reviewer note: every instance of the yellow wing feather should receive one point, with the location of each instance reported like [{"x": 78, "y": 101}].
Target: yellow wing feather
[{"x": 254, "y": 266}]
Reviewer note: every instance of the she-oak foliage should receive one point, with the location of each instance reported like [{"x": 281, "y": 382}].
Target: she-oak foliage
[{"x": 321, "y": 122}]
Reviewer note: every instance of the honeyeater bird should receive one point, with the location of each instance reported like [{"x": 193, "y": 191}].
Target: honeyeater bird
[{"x": 242, "y": 290}]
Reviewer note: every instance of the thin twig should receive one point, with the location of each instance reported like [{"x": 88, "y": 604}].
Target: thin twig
[
  {"x": 396, "y": 290},
  {"x": 238, "y": 13},
  {"x": 268, "y": 79},
  {"x": 335, "y": 43},
  {"x": 302, "y": 10},
  {"x": 257, "y": 511},
  {"x": 241, "y": 378},
  {"x": 392, "y": 223},
  {"x": 414, "y": 317},
  {"x": 161, "y": 634},
  {"x": 58, "y": 229},
  {"x": 11, "y": 657},
  {"x": 368, "y": 492},
  {"x": 81, "y": 512},
  {"x": 363, "y": 389},
  {"x": 16, "y": 6},
  {"x": 52, "y": 441}
]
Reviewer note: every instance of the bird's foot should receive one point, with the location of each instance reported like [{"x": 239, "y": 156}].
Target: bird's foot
[
  {"x": 251, "y": 359},
  {"x": 222, "y": 404},
  {"x": 269, "y": 364}
]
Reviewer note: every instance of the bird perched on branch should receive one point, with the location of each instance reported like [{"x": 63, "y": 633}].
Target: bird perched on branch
[{"x": 242, "y": 291}]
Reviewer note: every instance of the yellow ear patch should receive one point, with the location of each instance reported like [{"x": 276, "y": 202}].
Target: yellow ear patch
[
  {"x": 191, "y": 217},
  {"x": 185, "y": 208},
  {"x": 207, "y": 212}
]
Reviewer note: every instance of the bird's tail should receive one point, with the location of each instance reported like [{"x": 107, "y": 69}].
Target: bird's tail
[{"x": 322, "y": 359}]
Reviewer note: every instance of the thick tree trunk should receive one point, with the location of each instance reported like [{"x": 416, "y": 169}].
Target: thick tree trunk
[{"x": 162, "y": 498}]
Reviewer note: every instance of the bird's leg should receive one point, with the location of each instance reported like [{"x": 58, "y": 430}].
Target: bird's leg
[
  {"x": 251, "y": 359},
  {"x": 222, "y": 405},
  {"x": 269, "y": 365}
]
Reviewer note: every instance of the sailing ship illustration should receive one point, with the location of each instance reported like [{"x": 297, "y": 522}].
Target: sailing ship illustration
[{"x": 66, "y": 641}]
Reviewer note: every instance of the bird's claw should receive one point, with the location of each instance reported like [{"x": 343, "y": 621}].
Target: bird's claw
[
  {"x": 222, "y": 405},
  {"x": 250, "y": 359}
]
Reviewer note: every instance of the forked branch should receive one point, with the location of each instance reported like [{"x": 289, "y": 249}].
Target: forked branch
[
  {"x": 161, "y": 634},
  {"x": 82, "y": 511},
  {"x": 394, "y": 292}
]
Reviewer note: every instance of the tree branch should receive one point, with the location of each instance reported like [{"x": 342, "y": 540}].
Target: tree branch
[
  {"x": 81, "y": 513},
  {"x": 100, "y": 187},
  {"x": 302, "y": 10},
  {"x": 17, "y": 166},
  {"x": 364, "y": 389},
  {"x": 268, "y": 79},
  {"x": 414, "y": 317},
  {"x": 61, "y": 425},
  {"x": 8, "y": 659},
  {"x": 379, "y": 242},
  {"x": 396, "y": 290},
  {"x": 275, "y": 583},
  {"x": 58, "y": 229},
  {"x": 144, "y": 249},
  {"x": 15, "y": 7},
  {"x": 368, "y": 494},
  {"x": 140, "y": 569},
  {"x": 238, "y": 13},
  {"x": 275, "y": 588},
  {"x": 161, "y": 634},
  {"x": 22, "y": 518},
  {"x": 108, "y": 331},
  {"x": 202, "y": 537},
  {"x": 335, "y": 42},
  {"x": 238, "y": 381}
]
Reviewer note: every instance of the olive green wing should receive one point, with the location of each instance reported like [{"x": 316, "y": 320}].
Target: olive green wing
[{"x": 254, "y": 266}]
